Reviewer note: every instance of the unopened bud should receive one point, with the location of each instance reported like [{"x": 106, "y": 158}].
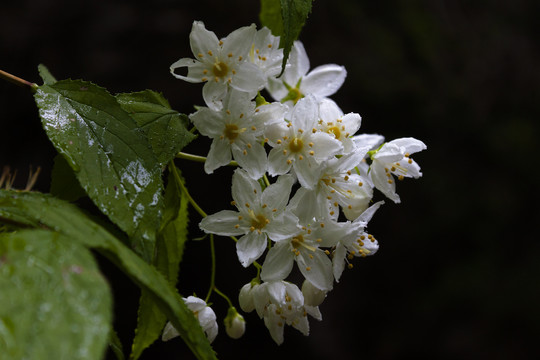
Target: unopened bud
[{"x": 235, "y": 325}]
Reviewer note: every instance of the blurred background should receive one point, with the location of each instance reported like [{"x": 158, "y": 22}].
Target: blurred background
[{"x": 458, "y": 271}]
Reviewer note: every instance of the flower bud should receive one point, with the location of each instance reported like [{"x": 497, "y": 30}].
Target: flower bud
[
  {"x": 235, "y": 325},
  {"x": 245, "y": 298}
]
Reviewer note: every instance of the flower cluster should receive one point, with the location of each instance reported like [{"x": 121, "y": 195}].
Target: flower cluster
[{"x": 316, "y": 212}]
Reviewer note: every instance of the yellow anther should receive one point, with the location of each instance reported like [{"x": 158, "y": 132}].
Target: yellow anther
[
  {"x": 229, "y": 55},
  {"x": 200, "y": 55},
  {"x": 236, "y": 226},
  {"x": 300, "y": 157},
  {"x": 327, "y": 252},
  {"x": 390, "y": 181},
  {"x": 401, "y": 177},
  {"x": 350, "y": 266},
  {"x": 278, "y": 142},
  {"x": 360, "y": 183},
  {"x": 210, "y": 53},
  {"x": 308, "y": 268},
  {"x": 253, "y": 128},
  {"x": 233, "y": 203},
  {"x": 346, "y": 178},
  {"x": 312, "y": 153},
  {"x": 240, "y": 217}
]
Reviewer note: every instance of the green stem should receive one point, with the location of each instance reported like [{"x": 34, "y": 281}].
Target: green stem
[
  {"x": 197, "y": 158},
  {"x": 185, "y": 190},
  {"x": 223, "y": 296},
  {"x": 17, "y": 80},
  {"x": 213, "y": 271}
]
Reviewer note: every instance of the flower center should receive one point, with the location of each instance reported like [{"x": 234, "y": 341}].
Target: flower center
[
  {"x": 220, "y": 69},
  {"x": 297, "y": 241},
  {"x": 259, "y": 222},
  {"x": 335, "y": 130},
  {"x": 294, "y": 95},
  {"x": 231, "y": 132},
  {"x": 296, "y": 145}
]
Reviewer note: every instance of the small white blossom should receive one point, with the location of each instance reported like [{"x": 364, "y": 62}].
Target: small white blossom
[
  {"x": 261, "y": 215},
  {"x": 298, "y": 144},
  {"x": 296, "y": 82},
  {"x": 341, "y": 126},
  {"x": 355, "y": 242},
  {"x": 280, "y": 303},
  {"x": 304, "y": 249},
  {"x": 221, "y": 63},
  {"x": 266, "y": 54},
  {"x": 393, "y": 158},
  {"x": 203, "y": 313},
  {"x": 339, "y": 184},
  {"x": 236, "y": 130}
]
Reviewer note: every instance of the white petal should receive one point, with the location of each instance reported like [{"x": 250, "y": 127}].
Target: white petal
[
  {"x": 299, "y": 62},
  {"x": 316, "y": 268},
  {"x": 169, "y": 332},
  {"x": 239, "y": 41},
  {"x": 193, "y": 76},
  {"x": 277, "y": 162},
  {"x": 338, "y": 261},
  {"x": 248, "y": 78},
  {"x": 305, "y": 114},
  {"x": 208, "y": 122},
  {"x": 253, "y": 159},
  {"x": 409, "y": 145},
  {"x": 324, "y": 80},
  {"x": 308, "y": 172},
  {"x": 250, "y": 247},
  {"x": 222, "y": 223},
  {"x": 245, "y": 298},
  {"x": 283, "y": 227},
  {"x": 277, "y": 195},
  {"x": 278, "y": 262},
  {"x": 219, "y": 155},
  {"x": 329, "y": 111},
  {"x": 389, "y": 153},
  {"x": 202, "y": 40},
  {"x": 325, "y": 146},
  {"x": 214, "y": 93},
  {"x": 366, "y": 216},
  {"x": 372, "y": 141},
  {"x": 245, "y": 190},
  {"x": 381, "y": 182}
]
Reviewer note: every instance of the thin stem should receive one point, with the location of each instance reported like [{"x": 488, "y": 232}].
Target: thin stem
[
  {"x": 17, "y": 80},
  {"x": 197, "y": 158},
  {"x": 224, "y": 296},
  {"x": 185, "y": 190},
  {"x": 266, "y": 181},
  {"x": 213, "y": 271}
]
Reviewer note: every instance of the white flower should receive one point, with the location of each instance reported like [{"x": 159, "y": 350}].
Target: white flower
[
  {"x": 236, "y": 129},
  {"x": 220, "y": 63},
  {"x": 339, "y": 184},
  {"x": 203, "y": 313},
  {"x": 266, "y": 54},
  {"x": 341, "y": 126},
  {"x": 261, "y": 215},
  {"x": 304, "y": 249},
  {"x": 355, "y": 242},
  {"x": 235, "y": 325},
  {"x": 280, "y": 303},
  {"x": 298, "y": 144},
  {"x": 393, "y": 158},
  {"x": 296, "y": 82}
]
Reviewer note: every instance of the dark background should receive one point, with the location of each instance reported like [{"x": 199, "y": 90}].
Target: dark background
[{"x": 458, "y": 272}]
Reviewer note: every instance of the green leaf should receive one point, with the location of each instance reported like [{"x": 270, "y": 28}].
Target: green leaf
[
  {"x": 295, "y": 14},
  {"x": 165, "y": 128},
  {"x": 116, "y": 345},
  {"x": 270, "y": 16},
  {"x": 64, "y": 184},
  {"x": 30, "y": 209},
  {"x": 55, "y": 304},
  {"x": 111, "y": 158},
  {"x": 169, "y": 251},
  {"x": 47, "y": 77},
  {"x": 285, "y": 18}
]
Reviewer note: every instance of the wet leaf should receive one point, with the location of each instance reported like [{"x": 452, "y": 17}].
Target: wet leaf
[
  {"x": 169, "y": 251},
  {"x": 285, "y": 18},
  {"x": 112, "y": 160},
  {"x": 47, "y": 77},
  {"x": 55, "y": 304},
  {"x": 31, "y": 209},
  {"x": 165, "y": 129}
]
